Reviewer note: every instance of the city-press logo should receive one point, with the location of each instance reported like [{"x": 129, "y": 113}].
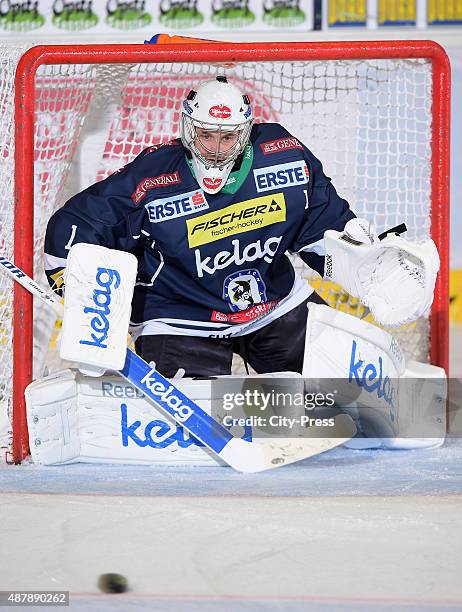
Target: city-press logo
[
  {"x": 236, "y": 219},
  {"x": 281, "y": 144},
  {"x": 281, "y": 175},
  {"x": 107, "y": 279},
  {"x": 251, "y": 252},
  {"x": 370, "y": 377},
  {"x": 165, "y": 209},
  {"x": 163, "y": 180}
]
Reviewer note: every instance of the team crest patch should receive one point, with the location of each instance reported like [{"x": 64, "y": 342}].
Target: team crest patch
[
  {"x": 163, "y": 180},
  {"x": 244, "y": 289}
]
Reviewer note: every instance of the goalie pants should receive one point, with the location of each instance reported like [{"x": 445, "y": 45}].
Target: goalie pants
[{"x": 277, "y": 347}]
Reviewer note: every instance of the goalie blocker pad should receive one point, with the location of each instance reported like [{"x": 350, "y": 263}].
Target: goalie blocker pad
[
  {"x": 397, "y": 405},
  {"x": 394, "y": 278},
  {"x": 99, "y": 285}
]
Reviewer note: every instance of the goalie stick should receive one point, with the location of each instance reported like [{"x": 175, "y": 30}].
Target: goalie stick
[{"x": 242, "y": 455}]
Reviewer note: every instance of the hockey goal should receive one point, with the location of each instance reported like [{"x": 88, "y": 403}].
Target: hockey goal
[{"x": 375, "y": 113}]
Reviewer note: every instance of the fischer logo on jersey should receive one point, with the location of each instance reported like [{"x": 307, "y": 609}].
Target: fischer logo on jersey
[
  {"x": 282, "y": 144},
  {"x": 176, "y": 206},
  {"x": 251, "y": 252},
  {"x": 220, "y": 111},
  {"x": 162, "y": 180},
  {"x": 281, "y": 175},
  {"x": 236, "y": 219}
]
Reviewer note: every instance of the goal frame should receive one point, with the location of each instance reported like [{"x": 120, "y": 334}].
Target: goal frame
[{"x": 222, "y": 53}]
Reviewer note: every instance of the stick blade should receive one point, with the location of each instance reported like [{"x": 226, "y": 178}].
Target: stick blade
[{"x": 252, "y": 457}]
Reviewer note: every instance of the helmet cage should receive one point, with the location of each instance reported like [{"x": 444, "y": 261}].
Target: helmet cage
[{"x": 190, "y": 139}]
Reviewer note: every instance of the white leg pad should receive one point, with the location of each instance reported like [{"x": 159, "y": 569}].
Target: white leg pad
[
  {"x": 74, "y": 418},
  {"x": 406, "y": 405}
]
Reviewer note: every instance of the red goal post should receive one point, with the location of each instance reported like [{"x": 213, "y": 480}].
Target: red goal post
[{"x": 190, "y": 62}]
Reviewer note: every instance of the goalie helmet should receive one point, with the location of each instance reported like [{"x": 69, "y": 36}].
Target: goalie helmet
[{"x": 215, "y": 126}]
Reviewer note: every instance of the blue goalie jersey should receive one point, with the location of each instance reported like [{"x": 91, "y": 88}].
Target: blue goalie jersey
[{"x": 213, "y": 265}]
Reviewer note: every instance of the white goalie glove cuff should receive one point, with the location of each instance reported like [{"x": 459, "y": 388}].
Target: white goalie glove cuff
[
  {"x": 393, "y": 277},
  {"x": 361, "y": 230}
]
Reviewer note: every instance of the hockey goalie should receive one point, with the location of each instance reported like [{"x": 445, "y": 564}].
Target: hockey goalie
[{"x": 209, "y": 219}]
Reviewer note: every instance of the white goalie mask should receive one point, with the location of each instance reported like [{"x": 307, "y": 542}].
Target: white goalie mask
[{"x": 215, "y": 126}]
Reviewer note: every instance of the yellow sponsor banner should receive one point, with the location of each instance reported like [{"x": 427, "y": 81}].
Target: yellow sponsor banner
[
  {"x": 455, "y": 296},
  {"x": 236, "y": 219},
  {"x": 347, "y": 12},
  {"x": 444, "y": 12},
  {"x": 396, "y": 12}
]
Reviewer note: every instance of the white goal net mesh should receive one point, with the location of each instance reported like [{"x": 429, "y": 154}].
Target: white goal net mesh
[{"x": 369, "y": 121}]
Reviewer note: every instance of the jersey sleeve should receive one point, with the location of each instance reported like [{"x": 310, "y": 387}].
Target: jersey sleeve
[
  {"x": 98, "y": 215},
  {"x": 325, "y": 210}
]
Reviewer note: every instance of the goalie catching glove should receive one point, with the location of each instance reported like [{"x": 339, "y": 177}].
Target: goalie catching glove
[{"x": 393, "y": 277}]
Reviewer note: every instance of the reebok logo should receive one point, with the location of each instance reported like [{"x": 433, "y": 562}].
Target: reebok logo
[{"x": 328, "y": 266}]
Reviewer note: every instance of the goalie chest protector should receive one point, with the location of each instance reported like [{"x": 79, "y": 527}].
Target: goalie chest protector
[{"x": 203, "y": 257}]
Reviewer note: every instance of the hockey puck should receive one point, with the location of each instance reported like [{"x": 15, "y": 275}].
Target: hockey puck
[
  {"x": 112, "y": 583},
  {"x": 237, "y": 431}
]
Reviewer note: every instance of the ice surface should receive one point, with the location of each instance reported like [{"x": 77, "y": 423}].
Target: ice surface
[
  {"x": 338, "y": 472},
  {"x": 347, "y": 530}
]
